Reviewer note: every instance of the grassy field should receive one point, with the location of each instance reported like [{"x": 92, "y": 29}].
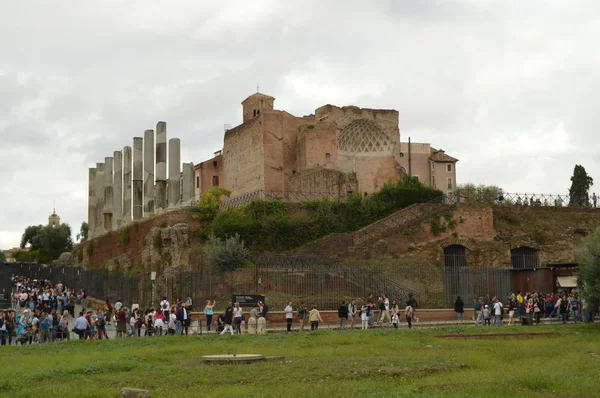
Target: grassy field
[{"x": 443, "y": 362}]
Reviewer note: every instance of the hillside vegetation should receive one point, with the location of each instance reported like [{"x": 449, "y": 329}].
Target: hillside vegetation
[{"x": 275, "y": 226}]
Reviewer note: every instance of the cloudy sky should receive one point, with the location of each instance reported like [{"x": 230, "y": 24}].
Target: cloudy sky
[{"x": 509, "y": 88}]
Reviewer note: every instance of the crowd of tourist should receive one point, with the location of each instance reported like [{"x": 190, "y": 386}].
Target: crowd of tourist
[
  {"x": 528, "y": 308},
  {"x": 42, "y": 312}
]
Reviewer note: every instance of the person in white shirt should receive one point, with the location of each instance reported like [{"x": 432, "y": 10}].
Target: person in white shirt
[
  {"x": 364, "y": 317},
  {"x": 498, "y": 312},
  {"x": 352, "y": 312},
  {"x": 386, "y": 312},
  {"x": 172, "y": 323},
  {"x": 289, "y": 316},
  {"x": 237, "y": 317},
  {"x": 164, "y": 305}
]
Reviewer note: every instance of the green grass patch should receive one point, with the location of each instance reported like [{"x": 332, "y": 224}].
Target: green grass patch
[{"x": 375, "y": 363}]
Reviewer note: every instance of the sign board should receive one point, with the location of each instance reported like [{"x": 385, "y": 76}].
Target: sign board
[
  {"x": 153, "y": 275},
  {"x": 247, "y": 300}
]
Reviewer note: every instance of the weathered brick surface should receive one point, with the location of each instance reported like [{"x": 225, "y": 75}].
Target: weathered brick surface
[{"x": 111, "y": 245}]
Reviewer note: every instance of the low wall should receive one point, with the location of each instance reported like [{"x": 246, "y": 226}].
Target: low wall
[{"x": 278, "y": 317}]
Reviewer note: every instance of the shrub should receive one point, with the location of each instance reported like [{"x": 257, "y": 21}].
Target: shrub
[
  {"x": 124, "y": 234},
  {"x": 225, "y": 254},
  {"x": 437, "y": 227},
  {"x": 208, "y": 206}
]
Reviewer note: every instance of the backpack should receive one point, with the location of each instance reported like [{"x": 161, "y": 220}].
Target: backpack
[{"x": 549, "y": 304}]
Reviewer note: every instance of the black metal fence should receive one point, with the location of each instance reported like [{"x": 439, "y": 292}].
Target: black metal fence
[{"x": 313, "y": 279}]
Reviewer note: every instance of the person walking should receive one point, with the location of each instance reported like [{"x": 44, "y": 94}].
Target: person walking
[
  {"x": 459, "y": 308},
  {"x": 408, "y": 313},
  {"x": 352, "y": 312},
  {"x": 183, "y": 319},
  {"x": 414, "y": 305},
  {"x": 237, "y": 317},
  {"x": 364, "y": 317},
  {"x": 575, "y": 309},
  {"x": 159, "y": 322},
  {"x": 478, "y": 306},
  {"x": 315, "y": 318},
  {"x": 303, "y": 315},
  {"x": 81, "y": 325},
  {"x": 228, "y": 320},
  {"x": 343, "y": 315},
  {"x": 289, "y": 316}
]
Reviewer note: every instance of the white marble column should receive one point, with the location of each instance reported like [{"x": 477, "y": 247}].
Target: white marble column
[
  {"x": 108, "y": 193},
  {"x": 174, "y": 172},
  {"x": 187, "y": 189},
  {"x": 126, "y": 185},
  {"x": 118, "y": 190},
  {"x": 161, "y": 166},
  {"x": 138, "y": 178},
  {"x": 148, "y": 173}
]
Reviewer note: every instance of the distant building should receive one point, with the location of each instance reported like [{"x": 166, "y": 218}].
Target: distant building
[
  {"x": 431, "y": 166},
  {"x": 10, "y": 253},
  {"x": 54, "y": 219},
  {"x": 335, "y": 151}
]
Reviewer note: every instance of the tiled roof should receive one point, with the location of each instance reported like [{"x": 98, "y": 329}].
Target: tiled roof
[{"x": 438, "y": 155}]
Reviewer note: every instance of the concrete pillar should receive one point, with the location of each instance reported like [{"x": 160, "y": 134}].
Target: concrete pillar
[
  {"x": 108, "y": 193},
  {"x": 118, "y": 190},
  {"x": 187, "y": 189},
  {"x": 161, "y": 166},
  {"x": 148, "y": 173},
  {"x": 99, "y": 211},
  {"x": 138, "y": 178},
  {"x": 126, "y": 185},
  {"x": 92, "y": 202},
  {"x": 174, "y": 171}
]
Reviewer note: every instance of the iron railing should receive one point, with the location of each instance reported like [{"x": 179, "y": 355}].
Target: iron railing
[{"x": 319, "y": 280}]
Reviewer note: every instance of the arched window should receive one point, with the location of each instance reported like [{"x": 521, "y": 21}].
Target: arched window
[
  {"x": 524, "y": 258},
  {"x": 455, "y": 256}
]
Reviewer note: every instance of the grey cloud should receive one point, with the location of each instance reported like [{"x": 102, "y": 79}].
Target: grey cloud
[{"x": 475, "y": 78}]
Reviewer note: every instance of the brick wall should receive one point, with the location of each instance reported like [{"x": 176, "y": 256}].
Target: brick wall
[{"x": 110, "y": 245}]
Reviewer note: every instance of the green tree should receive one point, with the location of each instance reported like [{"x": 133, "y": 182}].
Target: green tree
[
  {"x": 478, "y": 193},
  {"x": 2, "y": 256},
  {"x": 580, "y": 187},
  {"x": 29, "y": 236},
  {"x": 225, "y": 254},
  {"x": 589, "y": 270},
  {"x": 82, "y": 236},
  {"x": 208, "y": 206},
  {"x": 47, "y": 242}
]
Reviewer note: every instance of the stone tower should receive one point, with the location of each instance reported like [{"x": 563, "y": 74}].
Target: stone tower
[
  {"x": 255, "y": 104},
  {"x": 54, "y": 219}
]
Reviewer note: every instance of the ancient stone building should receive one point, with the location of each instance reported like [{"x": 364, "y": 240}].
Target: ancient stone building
[{"x": 335, "y": 151}]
